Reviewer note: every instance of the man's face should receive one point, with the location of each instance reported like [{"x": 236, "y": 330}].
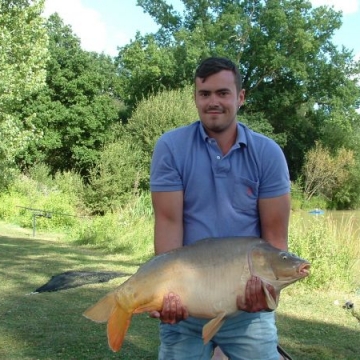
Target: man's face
[{"x": 217, "y": 101}]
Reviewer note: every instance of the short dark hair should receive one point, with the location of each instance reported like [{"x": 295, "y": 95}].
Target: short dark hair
[{"x": 213, "y": 65}]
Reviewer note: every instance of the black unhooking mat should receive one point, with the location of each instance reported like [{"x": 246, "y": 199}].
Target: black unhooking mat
[{"x": 71, "y": 279}]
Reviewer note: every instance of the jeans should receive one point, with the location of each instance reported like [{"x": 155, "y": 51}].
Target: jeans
[{"x": 246, "y": 336}]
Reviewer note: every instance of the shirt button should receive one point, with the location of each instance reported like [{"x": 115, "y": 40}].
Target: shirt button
[{"x": 218, "y": 157}]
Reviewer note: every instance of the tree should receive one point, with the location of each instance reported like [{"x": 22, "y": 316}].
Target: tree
[
  {"x": 76, "y": 109},
  {"x": 296, "y": 80},
  {"x": 23, "y": 55},
  {"x": 325, "y": 174},
  {"x": 116, "y": 176},
  {"x": 123, "y": 168}
]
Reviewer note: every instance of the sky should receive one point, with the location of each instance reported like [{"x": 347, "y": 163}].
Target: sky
[{"x": 103, "y": 25}]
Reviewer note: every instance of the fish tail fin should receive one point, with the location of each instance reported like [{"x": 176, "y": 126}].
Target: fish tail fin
[
  {"x": 118, "y": 320},
  {"x": 117, "y": 327},
  {"x": 212, "y": 327},
  {"x": 101, "y": 311}
]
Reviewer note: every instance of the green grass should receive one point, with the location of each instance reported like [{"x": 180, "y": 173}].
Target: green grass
[{"x": 50, "y": 325}]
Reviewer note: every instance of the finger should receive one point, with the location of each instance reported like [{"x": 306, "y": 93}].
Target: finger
[
  {"x": 261, "y": 303},
  {"x": 173, "y": 308},
  {"x": 185, "y": 312},
  {"x": 179, "y": 309},
  {"x": 154, "y": 314},
  {"x": 168, "y": 313},
  {"x": 164, "y": 315},
  {"x": 251, "y": 294}
]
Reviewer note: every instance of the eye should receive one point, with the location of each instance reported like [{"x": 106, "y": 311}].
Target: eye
[
  {"x": 204, "y": 94},
  {"x": 284, "y": 256}
]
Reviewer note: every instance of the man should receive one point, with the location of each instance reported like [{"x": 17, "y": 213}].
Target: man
[{"x": 217, "y": 178}]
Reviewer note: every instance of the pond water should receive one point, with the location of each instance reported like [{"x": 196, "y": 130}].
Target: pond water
[{"x": 341, "y": 218}]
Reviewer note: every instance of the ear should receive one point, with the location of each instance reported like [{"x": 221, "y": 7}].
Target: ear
[{"x": 241, "y": 97}]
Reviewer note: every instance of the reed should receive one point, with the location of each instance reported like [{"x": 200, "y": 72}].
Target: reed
[{"x": 331, "y": 245}]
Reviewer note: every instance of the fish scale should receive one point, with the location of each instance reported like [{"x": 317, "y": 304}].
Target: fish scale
[{"x": 208, "y": 276}]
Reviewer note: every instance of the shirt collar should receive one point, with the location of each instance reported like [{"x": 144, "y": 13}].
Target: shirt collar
[{"x": 240, "y": 137}]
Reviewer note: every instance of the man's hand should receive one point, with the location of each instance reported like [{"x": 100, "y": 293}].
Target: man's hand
[
  {"x": 172, "y": 311},
  {"x": 254, "y": 299}
]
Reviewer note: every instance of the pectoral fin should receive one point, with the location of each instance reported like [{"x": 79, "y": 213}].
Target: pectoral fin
[
  {"x": 270, "y": 300},
  {"x": 212, "y": 327},
  {"x": 155, "y": 303}
]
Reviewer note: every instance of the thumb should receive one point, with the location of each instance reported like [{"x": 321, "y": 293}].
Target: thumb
[{"x": 154, "y": 314}]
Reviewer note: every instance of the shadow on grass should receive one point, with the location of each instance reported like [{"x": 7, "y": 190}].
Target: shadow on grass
[
  {"x": 23, "y": 261},
  {"x": 51, "y": 325},
  {"x": 316, "y": 340}
]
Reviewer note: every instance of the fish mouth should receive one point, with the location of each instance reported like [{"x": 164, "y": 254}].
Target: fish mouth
[{"x": 304, "y": 269}]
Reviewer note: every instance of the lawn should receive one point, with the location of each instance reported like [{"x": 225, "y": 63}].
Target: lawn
[{"x": 50, "y": 325}]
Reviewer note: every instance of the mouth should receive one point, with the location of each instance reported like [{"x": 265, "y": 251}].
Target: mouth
[
  {"x": 304, "y": 270},
  {"x": 214, "y": 111}
]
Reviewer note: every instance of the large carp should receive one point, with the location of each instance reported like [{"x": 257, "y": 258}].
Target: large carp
[{"x": 208, "y": 276}]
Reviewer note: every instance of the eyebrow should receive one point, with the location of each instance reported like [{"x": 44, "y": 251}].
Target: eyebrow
[{"x": 217, "y": 90}]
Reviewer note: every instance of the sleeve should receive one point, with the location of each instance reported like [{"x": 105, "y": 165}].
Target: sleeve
[
  {"x": 164, "y": 175},
  {"x": 275, "y": 178}
]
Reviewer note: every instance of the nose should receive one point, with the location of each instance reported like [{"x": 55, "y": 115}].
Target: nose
[{"x": 213, "y": 100}]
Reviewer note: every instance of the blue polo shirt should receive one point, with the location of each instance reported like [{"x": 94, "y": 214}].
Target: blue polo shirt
[{"x": 220, "y": 192}]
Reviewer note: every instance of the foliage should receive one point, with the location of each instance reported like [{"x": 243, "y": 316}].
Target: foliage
[
  {"x": 297, "y": 196},
  {"x": 57, "y": 197},
  {"x": 147, "y": 67},
  {"x": 158, "y": 114},
  {"x": 23, "y": 50},
  {"x": 296, "y": 79},
  {"x": 126, "y": 230},
  {"x": 330, "y": 245},
  {"x": 301, "y": 90},
  {"x": 324, "y": 173},
  {"x": 116, "y": 176},
  {"x": 258, "y": 123},
  {"x": 23, "y": 53},
  {"x": 76, "y": 109},
  {"x": 347, "y": 195},
  {"x": 123, "y": 167}
]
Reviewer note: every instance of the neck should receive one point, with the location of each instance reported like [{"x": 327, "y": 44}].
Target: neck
[{"x": 225, "y": 139}]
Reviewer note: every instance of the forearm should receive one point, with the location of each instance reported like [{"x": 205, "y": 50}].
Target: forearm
[
  {"x": 168, "y": 229},
  {"x": 168, "y": 235},
  {"x": 274, "y": 219}
]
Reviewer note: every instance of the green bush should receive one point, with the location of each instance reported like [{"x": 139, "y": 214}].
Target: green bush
[
  {"x": 123, "y": 168},
  {"x": 53, "y": 197},
  {"x": 129, "y": 230},
  {"x": 116, "y": 177},
  {"x": 156, "y": 115}
]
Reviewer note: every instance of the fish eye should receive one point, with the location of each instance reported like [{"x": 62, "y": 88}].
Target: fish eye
[{"x": 283, "y": 256}]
